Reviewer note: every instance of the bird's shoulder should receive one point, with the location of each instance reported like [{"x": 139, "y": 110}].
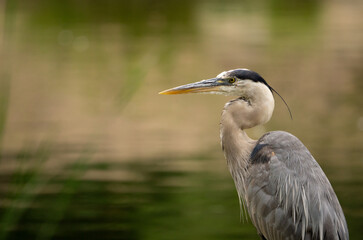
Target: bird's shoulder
[{"x": 282, "y": 145}]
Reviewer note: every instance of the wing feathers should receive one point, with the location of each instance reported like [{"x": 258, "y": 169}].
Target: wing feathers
[{"x": 288, "y": 195}]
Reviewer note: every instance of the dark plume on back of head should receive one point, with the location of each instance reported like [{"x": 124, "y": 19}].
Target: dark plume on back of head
[{"x": 253, "y": 76}]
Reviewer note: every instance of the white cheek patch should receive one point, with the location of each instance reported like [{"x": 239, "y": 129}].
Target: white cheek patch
[{"x": 230, "y": 90}]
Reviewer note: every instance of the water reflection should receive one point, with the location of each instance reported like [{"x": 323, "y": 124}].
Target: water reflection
[
  {"x": 158, "y": 202},
  {"x": 89, "y": 148}
]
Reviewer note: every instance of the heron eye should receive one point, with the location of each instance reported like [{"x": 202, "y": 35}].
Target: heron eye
[{"x": 232, "y": 80}]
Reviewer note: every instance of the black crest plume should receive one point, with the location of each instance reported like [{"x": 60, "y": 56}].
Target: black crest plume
[{"x": 251, "y": 75}]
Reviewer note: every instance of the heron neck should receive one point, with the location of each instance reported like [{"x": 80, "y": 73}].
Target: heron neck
[
  {"x": 236, "y": 144},
  {"x": 237, "y": 148},
  {"x": 255, "y": 107}
]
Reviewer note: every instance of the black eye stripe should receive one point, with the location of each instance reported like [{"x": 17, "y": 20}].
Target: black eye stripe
[{"x": 244, "y": 74}]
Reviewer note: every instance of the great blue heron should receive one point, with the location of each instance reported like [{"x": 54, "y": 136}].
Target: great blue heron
[{"x": 278, "y": 181}]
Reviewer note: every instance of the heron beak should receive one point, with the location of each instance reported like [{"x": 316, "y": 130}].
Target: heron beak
[{"x": 210, "y": 85}]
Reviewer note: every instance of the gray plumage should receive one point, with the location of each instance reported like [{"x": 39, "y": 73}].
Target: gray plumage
[
  {"x": 288, "y": 195},
  {"x": 279, "y": 183}
]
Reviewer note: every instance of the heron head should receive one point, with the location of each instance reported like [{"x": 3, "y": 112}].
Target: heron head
[
  {"x": 233, "y": 83},
  {"x": 236, "y": 82}
]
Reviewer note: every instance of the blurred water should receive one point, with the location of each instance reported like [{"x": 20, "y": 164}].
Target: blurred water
[{"x": 88, "y": 148}]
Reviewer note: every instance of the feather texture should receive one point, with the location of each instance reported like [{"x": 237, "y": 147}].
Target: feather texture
[{"x": 288, "y": 195}]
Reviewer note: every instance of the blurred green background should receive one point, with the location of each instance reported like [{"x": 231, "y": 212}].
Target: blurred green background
[{"x": 89, "y": 150}]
